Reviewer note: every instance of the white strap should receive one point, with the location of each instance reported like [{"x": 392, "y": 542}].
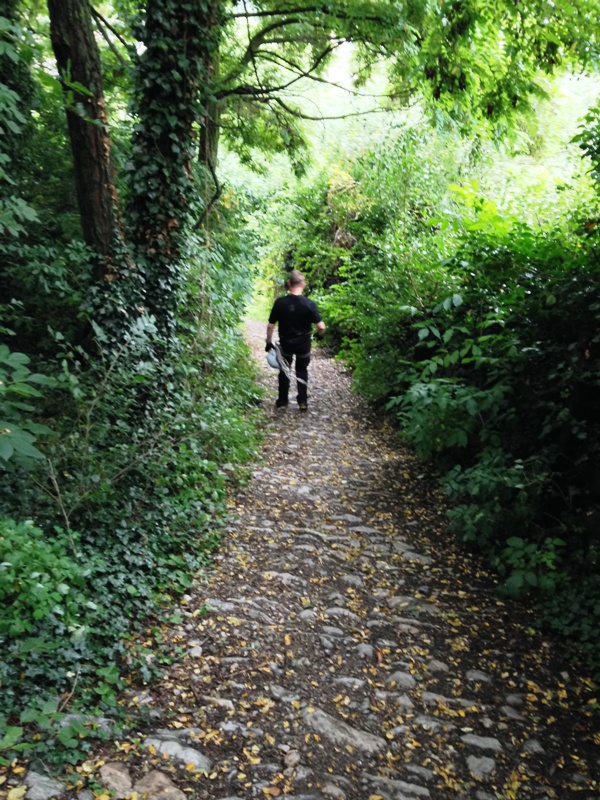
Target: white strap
[{"x": 284, "y": 366}]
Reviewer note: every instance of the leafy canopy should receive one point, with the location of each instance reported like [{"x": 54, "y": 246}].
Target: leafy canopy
[{"x": 475, "y": 62}]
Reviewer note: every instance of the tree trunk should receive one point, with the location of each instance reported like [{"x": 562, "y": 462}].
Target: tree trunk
[
  {"x": 209, "y": 134},
  {"x": 79, "y": 66},
  {"x": 210, "y": 127},
  {"x": 173, "y": 89}
]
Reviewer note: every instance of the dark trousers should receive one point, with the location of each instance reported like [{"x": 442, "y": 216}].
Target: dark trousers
[{"x": 302, "y": 362}]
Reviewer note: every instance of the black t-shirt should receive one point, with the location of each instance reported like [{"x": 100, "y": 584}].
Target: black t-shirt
[{"x": 294, "y": 315}]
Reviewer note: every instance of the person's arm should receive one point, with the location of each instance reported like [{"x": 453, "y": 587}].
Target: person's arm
[
  {"x": 316, "y": 319},
  {"x": 270, "y": 331}
]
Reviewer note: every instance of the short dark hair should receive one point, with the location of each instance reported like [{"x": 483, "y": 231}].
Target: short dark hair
[{"x": 296, "y": 278}]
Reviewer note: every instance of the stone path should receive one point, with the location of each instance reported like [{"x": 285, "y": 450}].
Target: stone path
[{"x": 344, "y": 648}]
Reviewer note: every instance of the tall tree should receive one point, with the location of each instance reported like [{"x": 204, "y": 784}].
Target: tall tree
[
  {"x": 80, "y": 70},
  {"x": 173, "y": 86}
]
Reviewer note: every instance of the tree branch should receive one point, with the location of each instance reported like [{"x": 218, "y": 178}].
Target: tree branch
[
  {"x": 214, "y": 198},
  {"x": 307, "y": 10},
  {"x": 253, "y": 52},
  {"x": 278, "y": 59},
  {"x": 283, "y": 12},
  {"x": 259, "y": 38},
  {"x": 101, "y": 21},
  {"x": 246, "y": 89},
  {"x": 110, "y": 43},
  {"x": 301, "y": 115}
]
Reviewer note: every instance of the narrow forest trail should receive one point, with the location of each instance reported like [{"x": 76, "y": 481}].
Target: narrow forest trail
[{"x": 350, "y": 650}]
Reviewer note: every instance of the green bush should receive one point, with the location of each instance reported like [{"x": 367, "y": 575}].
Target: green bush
[
  {"x": 18, "y": 430},
  {"x": 41, "y": 578},
  {"x": 495, "y": 496}
]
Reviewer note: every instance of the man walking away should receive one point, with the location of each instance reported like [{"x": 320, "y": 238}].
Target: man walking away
[{"x": 294, "y": 315}]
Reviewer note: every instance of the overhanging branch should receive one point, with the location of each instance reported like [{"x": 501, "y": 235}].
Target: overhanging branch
[
  {"x": 268, "y": 90},
  {"x": 259, "y": 38},
  {"x": 279, "y": 60},
  {"x": 214, "y": 198},
  {"x": 301, "y": 115},
  {"x": 307, "y": 10},
  {"x": 102, "y": 24}
]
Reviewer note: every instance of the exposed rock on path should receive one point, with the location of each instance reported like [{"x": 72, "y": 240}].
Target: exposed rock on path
[{"x": 349, "y": 650}]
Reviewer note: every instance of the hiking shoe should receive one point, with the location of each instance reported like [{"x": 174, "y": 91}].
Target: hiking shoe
[
  {"x": 302, "y": 407},
  {"x": 281, "y": 404}
]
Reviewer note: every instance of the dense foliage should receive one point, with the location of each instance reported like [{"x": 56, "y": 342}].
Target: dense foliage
[
  {"x": 479, "y": 330},
  {"x": 123, "y": 415}
]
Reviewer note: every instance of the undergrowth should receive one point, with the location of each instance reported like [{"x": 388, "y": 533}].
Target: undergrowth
[{"x": 109, "y": 510}]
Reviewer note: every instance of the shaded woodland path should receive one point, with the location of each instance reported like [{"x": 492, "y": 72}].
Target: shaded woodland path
[{"x": 350, "y": 650}]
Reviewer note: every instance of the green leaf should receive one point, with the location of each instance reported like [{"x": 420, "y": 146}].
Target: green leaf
[
  {"x": 11, "y": 737},
  {"x": 531, "y": 578},
  {"x": 50, "y": 707},
  {"x": 80, "y": 88},
  {"x": 110, "y": 674},
  {"x": 29, "y": 715},
  {"x": 515, "y": 541},
  {"x": 23, "y": 447},
  {"x": 49, "y": 81},
  {"x": 6, "y": 448},
  {"x": 35, "y": 645},
  {"x": 65, "y": 737},
  {"x": 514, "y": 584}
]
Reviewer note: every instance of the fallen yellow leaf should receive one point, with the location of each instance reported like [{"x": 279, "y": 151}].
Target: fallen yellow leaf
[{"x": 17, "y": 793}]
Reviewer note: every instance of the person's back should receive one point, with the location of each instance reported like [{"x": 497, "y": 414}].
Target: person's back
[{"x": 295, "y": 315}]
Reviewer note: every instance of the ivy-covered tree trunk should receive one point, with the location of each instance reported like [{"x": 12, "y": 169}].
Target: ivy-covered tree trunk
[
  {"x": 78, "y": 62},
  {"x": 210, "y": 129},
  {"x": 173, "y": 89}
]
